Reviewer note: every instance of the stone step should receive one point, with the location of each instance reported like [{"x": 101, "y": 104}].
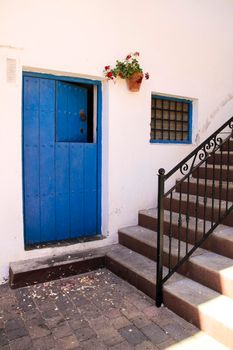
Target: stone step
[
  {"x": 227, "y": 146},
  {"x": 203, "y": 307},
  {"x": 210, "y": 188},
  {"x": 200, "y": 305},
  {"x": 216, "y": 172},
  {"x": 220, "y": 241},
  {"x": 223, "y": 157},
  {"x": 210, "y": 269},
  {"x": 32, "y": 271},
  {"x": 196, "y": 206}
]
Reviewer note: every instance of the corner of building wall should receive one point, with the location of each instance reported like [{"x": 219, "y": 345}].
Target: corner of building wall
[{"x": 105, "y": 159}]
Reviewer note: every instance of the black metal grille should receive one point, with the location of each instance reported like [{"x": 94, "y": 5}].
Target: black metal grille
[{"x": 170, "y": 119}]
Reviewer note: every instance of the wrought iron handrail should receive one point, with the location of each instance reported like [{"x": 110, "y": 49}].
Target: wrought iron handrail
[{"x": 194, "y": 197}]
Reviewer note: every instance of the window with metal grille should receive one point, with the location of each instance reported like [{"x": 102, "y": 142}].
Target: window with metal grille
[{"x": 171, "y": 120}]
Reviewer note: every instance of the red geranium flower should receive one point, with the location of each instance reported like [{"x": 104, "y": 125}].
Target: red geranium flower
[
  {"x": 109, "y": 75},
  {"x": 147, "y": 76},
  {"x": 107, "y": 67},
  {"x": 128, "y": 57}
]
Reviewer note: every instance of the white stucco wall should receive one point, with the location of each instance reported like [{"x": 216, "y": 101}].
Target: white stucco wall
[{"x": 187, "y": 47}]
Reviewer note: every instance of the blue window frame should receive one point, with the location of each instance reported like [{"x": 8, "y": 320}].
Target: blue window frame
[{"x": 171, "y": 120}]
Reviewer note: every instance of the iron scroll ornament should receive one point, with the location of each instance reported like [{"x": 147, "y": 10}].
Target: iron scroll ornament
[{"x": 211, "y": 146}]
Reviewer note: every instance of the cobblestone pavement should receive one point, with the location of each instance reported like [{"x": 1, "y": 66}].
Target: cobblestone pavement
[{"x": 97, "y": 311}]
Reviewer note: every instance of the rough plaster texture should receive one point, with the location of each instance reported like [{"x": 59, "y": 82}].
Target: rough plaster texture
[{"x": 185, "y": 45}]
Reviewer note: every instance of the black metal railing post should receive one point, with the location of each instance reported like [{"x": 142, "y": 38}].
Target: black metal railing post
[{"x": 160, "y": 232}]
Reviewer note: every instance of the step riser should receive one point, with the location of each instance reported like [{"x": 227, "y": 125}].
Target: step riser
[
  {"x": 221, "y": 159},
  {"x": 208, "y": 278},
  {"x": 202, "y": 212},
  {"x": 55, "y": 272},
  {"x": 227, "y": 146},
  {"x": 207, "y": 190},
  {"x": 210, "y": 173},
  {"x": 199, "y": 318}
]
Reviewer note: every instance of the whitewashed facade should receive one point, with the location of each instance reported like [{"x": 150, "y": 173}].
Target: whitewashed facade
[{"x": 186, "y": 46}]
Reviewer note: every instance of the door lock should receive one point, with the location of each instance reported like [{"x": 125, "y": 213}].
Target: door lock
[{"x": 82, "y": 115}]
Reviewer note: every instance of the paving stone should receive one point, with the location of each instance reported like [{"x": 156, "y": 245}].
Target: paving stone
[
  {"x": 99, "y": 323},
  {"x": 24, "y": 299},
  {"x": 44, "y": 343},
  {"x": 120, "y": 322},
  {"x": 78, "y": 323},
  {"x": 133, "y": 335},
  {"x": 63, "y": 331},
  {"x": 16, "y": 333},
  {"x": 141, "y": 321},
  {"x": 141, "y": 304},
  {"x": 93, "y": 344},
  {"x": 146, "y": 345},
  {"x": 5, "y": 347},
  {"x": 168, "y": 343},
  {"x": 114, "y": 340},
  {"x": 85, "y": 333},
  {"x": 23, "y": 343},
  {"x": 176, "y": 331},
  {"x": 109, "y": 335},
  {"x": 79, "y": 300},
  {"x": 66, "y": 343},
  {"x": 151, "y": 311},
  {"x": 3, "y": 338},
  {"x": 11, "y": 313},
  {"x": 1, "y": 323},
  {"x": 155, "y": 333},
  {"x": 112, "y": 313},
  {"x": 130, "y": 311},
  {"x": 55, "y": 321},
  {"x": 51, "y": 312},
  {"x": 31, "y": 315},
  {"x": 122, "y": 346},
  {"x": 69, "y": 312},
  {"x": 90, "y": 311},
  {"x": 38, "y": 329},
  {"x": 14, "y": 324}
]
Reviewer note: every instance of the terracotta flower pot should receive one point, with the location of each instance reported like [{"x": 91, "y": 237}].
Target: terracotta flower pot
[{"x": 134, "y": 82}]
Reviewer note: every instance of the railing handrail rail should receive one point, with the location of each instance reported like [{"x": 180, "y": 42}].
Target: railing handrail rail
[
  {"x": 187, "y": 167},
  {"x": 190, "y": 155}
]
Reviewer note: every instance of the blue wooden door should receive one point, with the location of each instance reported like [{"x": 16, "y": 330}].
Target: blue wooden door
[{"x": 60, "y": 165}]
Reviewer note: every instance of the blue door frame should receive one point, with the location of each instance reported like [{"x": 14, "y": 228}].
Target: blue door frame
[{"x": 66, "y": 80}]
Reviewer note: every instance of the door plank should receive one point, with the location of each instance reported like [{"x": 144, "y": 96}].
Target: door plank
[
  {"x": 76, "y": 189},
  {"x": 62, "y": 191},
  {"x": 31, "y": 160},
  {"x": 47, "y": 159},
  {"x": 90, "y": 189}
]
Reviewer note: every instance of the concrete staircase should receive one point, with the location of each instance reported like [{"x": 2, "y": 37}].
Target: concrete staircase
[{"x": 202, "y": 290}]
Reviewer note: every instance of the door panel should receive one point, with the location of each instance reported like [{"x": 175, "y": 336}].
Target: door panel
[
  {"x": 60, "y": 166},
  {"x": 71, "y": 101}
]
